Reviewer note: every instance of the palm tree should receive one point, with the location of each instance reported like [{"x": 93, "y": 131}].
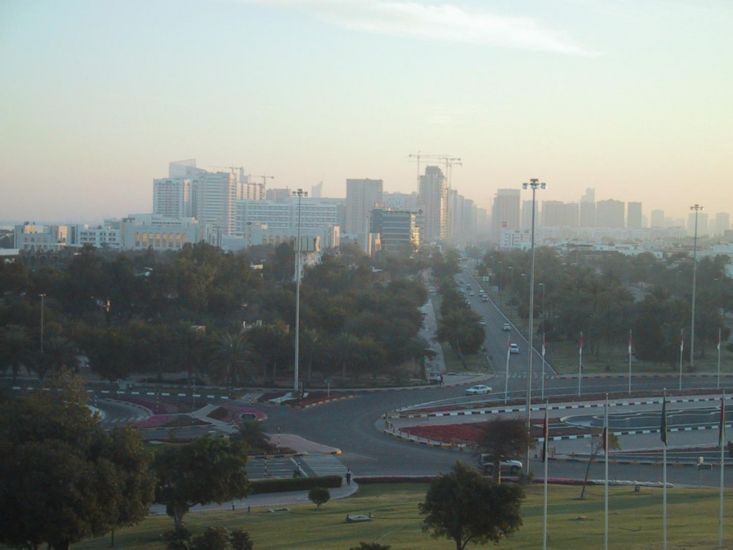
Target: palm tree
[
  {"x": 58, "y": 353},
  {"x": 231, "y": 358}
]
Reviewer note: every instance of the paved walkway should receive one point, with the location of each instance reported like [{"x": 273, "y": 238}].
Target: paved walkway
[{"x": 270, "y": 500}]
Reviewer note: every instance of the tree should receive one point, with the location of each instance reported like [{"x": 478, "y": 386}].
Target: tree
[
  {"x": 503, "y": 439},
  {"x": 213, "y": 538},
  {"x": 231, "y": 358},
  {"x": 14, "y": 344},
  {"x": 465, "y": 507},
  {"x": 210, "y": 469},
  {"x": 253, "y": 435},
  {"x": 62, "y": 478},
  {"x": 240, "y": 540},
  {"x": 318, "y": 496}
]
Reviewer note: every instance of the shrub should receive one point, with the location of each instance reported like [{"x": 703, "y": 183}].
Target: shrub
[
  {"x": 240, "y": 540},
  {"x": 214, "y": 538},
  {"x": 318, "y": 496},
  {"x": 294, "y": 484},
  {"x": 371, "y": 546},
  {"x": 177, "y": 539}
]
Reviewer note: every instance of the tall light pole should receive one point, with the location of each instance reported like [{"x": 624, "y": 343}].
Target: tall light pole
[
  {"x": 296, "y": 363},
  {"x": 542, "y": 392},
  {"x": 43, "y": 311},
  {"x": 533, "y": 184},
  {"x": 696, "y": 208}
]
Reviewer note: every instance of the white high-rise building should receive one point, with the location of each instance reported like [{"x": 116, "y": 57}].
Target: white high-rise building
[
  {"x": 505, "y": 213},
  {"x": 214, "y": 196},
  {"x": 433, "y": 199},
  {"x": 362, "y": 196},
  {"x": 172, "y": 197},
  {"x": 657, "y": 219}
]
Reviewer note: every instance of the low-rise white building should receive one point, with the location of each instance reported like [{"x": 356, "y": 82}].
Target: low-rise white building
[
  {"x": 143, "y": 231},
  {"x": 32, "y": 237}
]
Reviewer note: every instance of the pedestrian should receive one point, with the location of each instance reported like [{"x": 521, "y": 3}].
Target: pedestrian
[
  {"x": 441, "y": 379},
  {"x": 348, "y": 476}
]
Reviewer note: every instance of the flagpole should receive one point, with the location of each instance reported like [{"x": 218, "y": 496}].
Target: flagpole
[
  {"x": 630, "y": 336},
  {"x": 719, "y": 339},
  {"x": 506, "y": 374},
  {"x": 543, "y": 366},
  {"x": 605, "y": 452},
  {"x": 580, "y": 365},
  {"x": 546, "y": 449},
  {"x": 664, "y": 471},
  {"x": 721, "y": 443},
  {"x": 682, "y": 349}
]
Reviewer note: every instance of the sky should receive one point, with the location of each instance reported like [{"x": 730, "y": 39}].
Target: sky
[{"x": 634, "y": 98}]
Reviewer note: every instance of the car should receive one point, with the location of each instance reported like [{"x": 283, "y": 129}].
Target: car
[
  {"x": 481, "y": 389},
  {"x": 484, "y": 298},
  {"x": 508, "y": 467},
  {"x": 507, "y": 327},
  {"x": 482, "y": 323},
  {"x": 513, "y": 349}
]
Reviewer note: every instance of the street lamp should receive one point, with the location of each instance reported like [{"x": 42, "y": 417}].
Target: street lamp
[
  {"x": 542, "y": 393},
  {"x": 533, "y": 184},
  {"x": 296, "y": 386},
  {"x": 696, "y": 208},
  {"x": 43, "y": 308}
]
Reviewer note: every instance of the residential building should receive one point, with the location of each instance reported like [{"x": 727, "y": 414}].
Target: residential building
[
  {"x": 362, "y": 196},
  {"x": 505, "y": 212},
  {"x": 702, "y": 224},
  {"x": 633, "y": 215},
  {"x": 214, "y": 197},
  {"x": 433, "y": 200},
  {"x": 588, "y": 208},
  {"x": 610, "y": 214},
  {"x": 278, "y": 194},
  {"x": 559, "y": 214},
  {"x": 99, "y": 236},
  {"x": 400, "y": 201},
  {"x": 722, "y": 223},
  {"x": 172, "y": 197}
]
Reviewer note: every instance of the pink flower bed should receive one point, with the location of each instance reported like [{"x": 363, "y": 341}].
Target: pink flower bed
[
  {"x": 449, "y": 433},
  {"x": 155, "y": 421}
]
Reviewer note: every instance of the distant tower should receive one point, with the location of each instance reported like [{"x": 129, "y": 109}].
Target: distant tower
[
  {"x": 633, "y": 215},
  {"x": 588, "y": 208}
]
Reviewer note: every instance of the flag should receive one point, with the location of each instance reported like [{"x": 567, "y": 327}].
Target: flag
[
  {"x": 663, "y": 427},
  {"x": 544, "y": 343},
  {"x": 545, "y": 434},
  {"x": 581, "y": 343},
  {"x": 682, "y": 342},
  {"x": 719, "y": 337},
  {"x": 721, "y": 427},
  {"x": 631, "y": 343}
]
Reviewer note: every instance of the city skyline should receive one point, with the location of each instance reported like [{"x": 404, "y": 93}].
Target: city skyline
[{"x": 313, "y": 91}]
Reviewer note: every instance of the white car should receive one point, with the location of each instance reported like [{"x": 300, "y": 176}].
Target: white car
[
  {"x": 507, "y": 327},
  {"x": 481, "y": 389},
  {"x": 513, "y": 349},
  {"x": 508, "y": 467}
]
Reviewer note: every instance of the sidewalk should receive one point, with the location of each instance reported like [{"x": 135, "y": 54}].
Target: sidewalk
[{"x": 266, "y": 500}]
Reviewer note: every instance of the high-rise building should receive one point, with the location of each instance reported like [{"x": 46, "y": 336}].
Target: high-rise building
[
  {"x": 172, "y": 197},
  {"x": 610, "y": 213},
  {"x": 433, "y": 198},
  {"x": 184, "y": 169},
  {"x": 526, "y": 222},
  {"x": 397, "y": 230},
  {"x": 559, "y": 214},
  {"x": 400, "y": 201},
  {"x": 505, "y": 212},
  {"x": 588, "y": 208},
  {"x": 317, "y": 190},
  {"x": 362, "y": 196},
  {"x": 702, "y": 224},
  {"x": 633, "y": 215},
  {"x": 214, "y": 195},
  {"x": 657, "y": 219},
  {"x": 722, "y": 223},
  {"x": 277, "y": 194}
]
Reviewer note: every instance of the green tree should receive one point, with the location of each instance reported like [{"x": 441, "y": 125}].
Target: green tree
[
  {"x": 504, "y": 439},
  {"x": 465, "y": 507},
  {"x": 596, "y": 448},
  {"x": 231, "y": 358},
  {"x": 319, "y": 496},
  {"x": 62, "y": 478},
  {"x": 210, "y": 469},
  {"x": 14, "y": 348},
  {"x": 213, "y": 538},
  {"x": 253, "y": 435},
  {"x": 240, "y": 540}
]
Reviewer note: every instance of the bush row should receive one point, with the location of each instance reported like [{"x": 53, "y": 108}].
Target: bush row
[{"x": 294, "y": 484}]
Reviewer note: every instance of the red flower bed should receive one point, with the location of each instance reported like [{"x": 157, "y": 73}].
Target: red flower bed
[
  {"x": 449, "y": 433},
  {"x": 157, "y": 407}
]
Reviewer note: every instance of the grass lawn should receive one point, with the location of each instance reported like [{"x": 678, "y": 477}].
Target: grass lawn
[{"x": 635, "y": 521}]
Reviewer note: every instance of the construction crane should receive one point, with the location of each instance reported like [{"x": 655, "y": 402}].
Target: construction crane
[
  {"x": 241, "y": 177},
  {"x": 448, "y": 161},
  {"x": 262, "y": 185}
]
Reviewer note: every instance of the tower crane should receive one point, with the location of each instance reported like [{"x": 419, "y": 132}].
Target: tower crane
[
  {"x": 262, "y": 185},
  {"x": 448, "y": 161}
]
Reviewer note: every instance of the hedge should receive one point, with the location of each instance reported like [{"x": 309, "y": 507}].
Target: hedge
[{"x": 294, "y": 484}]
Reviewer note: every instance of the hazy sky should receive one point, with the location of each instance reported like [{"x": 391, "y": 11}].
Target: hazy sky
[{"x": 632, "y": 97}]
